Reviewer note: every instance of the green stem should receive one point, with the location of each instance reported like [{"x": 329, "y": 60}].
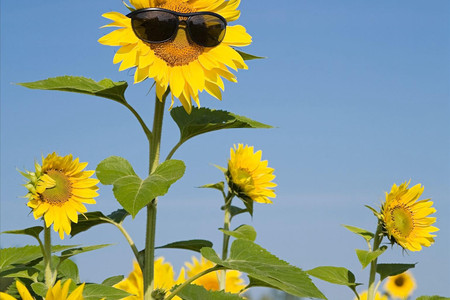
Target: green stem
[
  {"x": 226, "y": 238},
  {"x": 175, "y": 148},
  {"x": 147, "y": 131},
  {"x": 155, "y": 143},
  {"x": 48, "y": 273},
  {"x": 182, "y": 286},
  {"x": 373, "y": 265}
]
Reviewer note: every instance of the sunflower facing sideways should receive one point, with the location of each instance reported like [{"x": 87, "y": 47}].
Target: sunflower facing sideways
[
  {"x": 58, "y": 189},
  {"x": 406, "y": 219},
  {"x": 183, "y": 44},
  {"x": 401, "y": 285},
  {"x": 248, "y": 176}
]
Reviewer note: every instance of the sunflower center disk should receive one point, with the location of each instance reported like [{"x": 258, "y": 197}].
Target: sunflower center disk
[
  {"x": 403, "y": 220},
  {"x": 243, "y": 178},
  {"x": 62, "y": 190},
  {"x": 181, "y": 50},
  {"x": 399, "y": 281}
]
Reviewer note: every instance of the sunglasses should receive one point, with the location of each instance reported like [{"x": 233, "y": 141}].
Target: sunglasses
[{"x": 159, "y": 25}]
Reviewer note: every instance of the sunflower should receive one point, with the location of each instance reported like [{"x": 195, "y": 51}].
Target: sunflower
[
  {"x": 54, "y": 293},
  {"x": 378, "y": 296},
  {"x": 248, "y": 176},
  {"x": 405, "y": 218},
  {"x": 186, "y": 67},
  {"x": 233, "y": 282},
  {"x": 164, "y": 280},
  {"x": 400, "y": 286},
  {"x": 58, "y": 189}
]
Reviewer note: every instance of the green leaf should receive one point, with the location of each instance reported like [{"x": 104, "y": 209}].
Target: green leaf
[
  {"x": 39, "y": 288},
  {"x": 367, "y": 235},
  {"x": 32, "y": 231},
  {"x": 433, "y": 298},
  {"x": 21, "y": 272},
  {"x": 234, "y": 210},
  {"x": 246, "y": 56},
  {"x": 91, "y": 219},
  {"x": 250, "y": 258},
  {"x": 23, "y": 255},
  {"x": 335, "y": 275},
  {"x": 193, "y": 245},
  {"x": 113, "y": 280},
  {"x": 112, "y": 169},
  {"x": 245, "y": 232},
  {"x": 366, "y": 257},
  {"x": 99, "y": 291},
  {"x": 132, "y": 192},
  {"x": 196, "y": 292},
  {"x": 203, "y": 120},
  {"x": 386, "y": 270},
  {"x": 105, "y": 88},
  {"x": 68, "y": 269},
  {"x": 218, "y": 186},
  {"x": 74, "y": 251}
]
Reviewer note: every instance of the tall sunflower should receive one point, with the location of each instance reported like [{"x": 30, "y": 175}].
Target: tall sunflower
[
  {"x": 186, "y": 67},
  {"x": 164, "y": 280},
  {"x": 406, "y": 219},
  {"x": 57, "y": 292},
  {"x": 400, "y": 286},
  {"x": 248, "y": 176},
  {"x": 58, "y": 189},
  {"x": 233, "y": 282}
]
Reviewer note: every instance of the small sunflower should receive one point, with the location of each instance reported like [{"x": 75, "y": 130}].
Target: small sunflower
[
  {"x": 233, "y": 282},
  {"x": 378, "y": 296},
  {"x": 164, "y": 280},
  {"x": 185, "y": 66},
  {"x": 248, "y": 176},
  {"x": 57, "y": 292},
  {"x": 405, "y": 218},
  {"x": 400, "y": 286},
  {"x": 58, "y": 189}
]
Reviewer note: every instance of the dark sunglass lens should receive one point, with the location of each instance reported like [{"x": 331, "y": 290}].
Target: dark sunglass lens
[
  {"x": 206, "y": 30},
  {"x": 154, "y": 26}
]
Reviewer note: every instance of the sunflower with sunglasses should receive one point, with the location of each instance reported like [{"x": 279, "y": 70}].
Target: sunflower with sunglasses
[{"x": 186, "y": 45}]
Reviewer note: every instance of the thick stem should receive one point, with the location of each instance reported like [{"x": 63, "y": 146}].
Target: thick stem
[
  {"x": 182, "y": 286},
  {"x": 48, "y": 273},
  {"x": 149, "y": 257},
  {"x": 373, "y": 265},
  {"x": 226, "y": 239}
]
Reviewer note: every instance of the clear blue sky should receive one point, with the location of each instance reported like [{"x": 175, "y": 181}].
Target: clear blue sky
[{"x": 358, "y": 90}]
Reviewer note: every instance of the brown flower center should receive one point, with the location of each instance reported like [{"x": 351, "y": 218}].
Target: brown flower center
[
  {"x": 399, "y": 281},
  {"x": 61, "y": 192},
  {"x": 181, "y": 50}
]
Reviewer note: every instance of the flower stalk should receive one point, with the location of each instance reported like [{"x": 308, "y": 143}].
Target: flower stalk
[
  {"x": 155, "y": 145},
  {"x": 226, "y": 238},
  {"x": 373, "y": 265},
  {"x": 48, "y": 272}
]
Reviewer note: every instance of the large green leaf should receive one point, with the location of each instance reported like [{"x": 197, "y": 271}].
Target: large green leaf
[
  {"x": 366, "y": 257},
  {"x": 367, "y": 235},
  {"x": 245, "y": 232},
  {"x": 386, "y": 270},
  {"x": 23, "y": 255},
  {"x": 130, "y": 190},
  {"x": 203, "y": 120},
  {"x": 335, "y": 275},
  {"x": 250, "y": 258},
  {"x": 193, "y": 245},
  {"x": 196, "y": 292},
  {"x": 21, "y": 272},
  {"x": 99, "y": 291},
  {"x": 91, "y": 219},
  {"x": 105, "y": 88}
]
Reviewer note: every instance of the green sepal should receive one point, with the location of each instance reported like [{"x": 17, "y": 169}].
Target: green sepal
[
  {"x": 245, "y": 232},
  {"x": 247, "y": 56},
  {"x": 374, "y": 211},
  {"x": 386, "y": 270},
  {"x": 193, "y": 245},
  {"x": 224, "y": 170},
  {"x": 105, "y": 88},
  {"x": 132, "y": 192},
  {"x": 250, "y": 258},
  {"x": 366, "y": 257},
  {"x": 196, "y": 292},
  {"x": 203, "y": 120},
  {"x": 367, "y": 235}
]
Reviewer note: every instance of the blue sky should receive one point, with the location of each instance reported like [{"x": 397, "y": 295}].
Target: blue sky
[{"x": 358, "y": 92}]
